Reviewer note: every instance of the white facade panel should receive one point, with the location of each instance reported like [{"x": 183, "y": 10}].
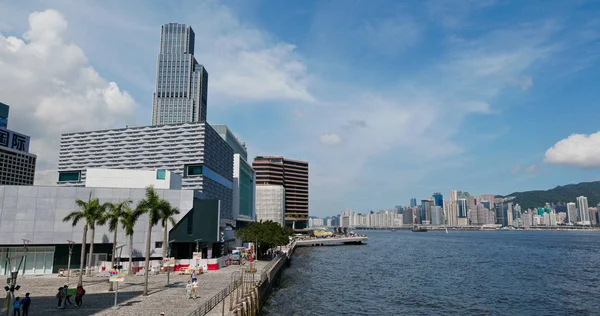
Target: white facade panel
[
  {"x": 270, "y": 203},
  {"x": 133, "y": 179}
]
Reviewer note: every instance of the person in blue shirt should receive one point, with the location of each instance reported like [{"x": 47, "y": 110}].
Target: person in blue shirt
[{"x": 17, "y": 306}]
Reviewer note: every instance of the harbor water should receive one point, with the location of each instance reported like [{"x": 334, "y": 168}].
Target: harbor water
[{"x": 434, "y": 273}]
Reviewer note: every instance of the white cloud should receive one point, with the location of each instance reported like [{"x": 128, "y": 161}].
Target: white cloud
[
  {"x": 52, "y": 89},
  {"x": 531, "y": 169},
  {"x": 579, "y": 150},
  {"x": 391, "y": 35},
  {"x": 515, "y": 169},
  {"x": 330, "y": 139}
]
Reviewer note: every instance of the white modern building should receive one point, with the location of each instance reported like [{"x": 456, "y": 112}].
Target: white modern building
[
  {"x": 270, "y": 203},
  {"x": 195, "y": 151},
  {"x": 572, "y": 212},
  {"x": 582, "y": 207},
  {"x": 35, "y": 214}
]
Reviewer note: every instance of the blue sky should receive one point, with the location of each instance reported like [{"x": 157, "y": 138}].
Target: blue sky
[{"x": 387, "y": 100}]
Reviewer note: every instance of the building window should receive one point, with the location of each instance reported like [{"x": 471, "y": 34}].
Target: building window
[
  {"x": 69, "y": 176},
  {"x": 193, "y": 170},
  {"x": 158, "y": 244},
  {"x": 161, "y": 174},
  {"x": 190, "y": 223}
]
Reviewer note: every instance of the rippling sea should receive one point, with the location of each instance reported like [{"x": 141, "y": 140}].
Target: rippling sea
[{"x": 434, "y": 273}]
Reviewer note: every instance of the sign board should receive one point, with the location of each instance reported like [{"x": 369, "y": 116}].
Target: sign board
[
  {"x": 116, "y": 276},
  {"x": 196, "y": 255},
  {"x": 169, "y": 262},
  {"x": 13, "y": 140}
]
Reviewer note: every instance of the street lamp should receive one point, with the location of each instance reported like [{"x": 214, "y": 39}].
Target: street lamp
[
  {"x": 120, "y": 249},
  {"x": 71, "y": 243},
  {"x": 169, "y": 264},
  {"x": 26, "y": 246}
]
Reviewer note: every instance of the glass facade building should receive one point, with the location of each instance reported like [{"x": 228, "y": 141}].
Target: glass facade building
[
  {"x": 181, "y": 90},
  {"x": 3, "y": 115}
]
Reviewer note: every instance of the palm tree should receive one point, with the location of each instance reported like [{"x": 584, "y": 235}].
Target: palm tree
[
  {"x": 87, "y": 212},
  {"x": 129, "y": 219},
  {"x": 113, "y": 217},
  {"x": 98, "y": 215},
  {"x": 154, "y": 206},
  {"x": 166, "y": 216}
]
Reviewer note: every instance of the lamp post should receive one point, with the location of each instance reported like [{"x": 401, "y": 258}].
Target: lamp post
[
  {"x": 169, "y": 265},
  {"x": 71, "y": 243},
  {"x": 26, "y": 246},
  {"x": 120, "y": 249}
]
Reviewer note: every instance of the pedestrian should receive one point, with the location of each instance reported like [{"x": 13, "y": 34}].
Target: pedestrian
[
  {"x": 67, "y": 297},
  {"x": 17, "y": 306},
  {"x": 79, "y": 293},
  {"x": 195, "y": 287},
  {"x": 26, "y": 302},
  {"x": 194, "y": 278},
  {"x": 188, "y": 289},
  {"x": 60, "y": 296}
]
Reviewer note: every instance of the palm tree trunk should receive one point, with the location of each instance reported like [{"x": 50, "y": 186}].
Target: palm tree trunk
[
  {"x": 130, "y": 253},
  {"x": 91, "y": 251},
  {"x": 82, "y": 258},
  {"x": 164, "y": 248},
  {"x": 113, "y": 259},
  {"x": 147, "y": 263}
]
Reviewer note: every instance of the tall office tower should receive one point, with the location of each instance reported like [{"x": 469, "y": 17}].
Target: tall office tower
[
  {"x": 293, "y": 176},
  {"x": 509, "y": 214},
  {"x": 572, "y": 212},
  {"x": 437, "y": 218},
  {"x": 413, "y": 202},
  {"x": 451, "y": 213},
  {"x": 463, "y": 208},
  {"x": 488, "y": 197},
  {"x": 453, "y": 195},
  {"x": 3, "y": 115},
  {"x": 501, "y": 214},
  {"x": 17, "y": 165},
  {"x": 582, "y": 208},
  {"x": 426, "y": 210},
  {"x": 181, "y": 90},
  {"x": 438, "y": 199}
]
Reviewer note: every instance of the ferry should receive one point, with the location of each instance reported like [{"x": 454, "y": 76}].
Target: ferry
[{"x": 417, "y": 229}]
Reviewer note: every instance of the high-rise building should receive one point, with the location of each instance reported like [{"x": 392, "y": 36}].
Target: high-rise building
[
  {"x": 572, "y": 213},
  {"x": 293, "y": 176},
  {"x": 582, "y": 208},
  {"x": 181, "y": 90},
  {"x": 501, "y": 214},
  {"x": 426, "y": 210},
  {"x": 193, "y": 150},
  {"x": 3, "y": 114},
  {"x": 453, "y": 196},
  {"x": 437, "y": 218},
  {"x": 463, "y": 208},
  {"x": 488, "y": 197},
  {"x": 17, "y": 165},
  {"x": 438, "y": 199},
  {"x": 270, "y": 203},
  {"x": 413, "y": 202},
  {"x": 451, "y": 212}
]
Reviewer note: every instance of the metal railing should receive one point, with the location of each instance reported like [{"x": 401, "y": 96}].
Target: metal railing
[{"x": 207, "y": 306}]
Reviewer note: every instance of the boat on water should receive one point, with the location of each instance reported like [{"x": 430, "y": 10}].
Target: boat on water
[{"x": 417, "y": 229}]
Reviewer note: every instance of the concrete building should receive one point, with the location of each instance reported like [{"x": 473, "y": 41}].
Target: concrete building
[
  {"x": 572, "y": 213},
  {"x": 293, "y": 176},
  {"x": 582, "y": 208},
  {"x": 451, "y": 211},
  {"x": 181, "y": 90},
  {"x": 463, "y": 208},
  {"x": 17, "y": 165},
  {"x": 437, "y": 216},
  {"x": 408, "y": 216},
  {"x": 413, "y": 202},
  {"x": 36, "y": 213},
  {"x": 270, "y": 203},
  {"x": 195, "y": 151}
]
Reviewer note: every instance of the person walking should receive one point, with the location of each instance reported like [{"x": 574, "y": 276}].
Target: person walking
[
  {"x": 194, "y": 277},
  {"x": 25, "y": 302},
  {"x": 195, "y": 288},
  {"x": 17, "y": 306},
  {"x": 60, "y": 296},
  {"x": 79, "y": 293},
  {"x": 188, "y": 289},
  {"x": 67, "y": 297}
]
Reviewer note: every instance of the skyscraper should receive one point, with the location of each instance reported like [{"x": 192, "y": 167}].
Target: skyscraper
[
  {"x": 572, "y": 212},
  {"x": 462, "y": 208},
  {"x": 3, "y": 115},
  {"x": 426, "y": 210},
  {"x": 181, "y": 90},
  {"x": 582, "y": 208},
  {"x": 438, "y": 199},
  {"x": 17, "y": 165},
  {"x": 413, "y": 202}
]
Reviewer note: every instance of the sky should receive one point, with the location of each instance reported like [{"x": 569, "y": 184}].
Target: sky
[{"x": 386, "y": 101}]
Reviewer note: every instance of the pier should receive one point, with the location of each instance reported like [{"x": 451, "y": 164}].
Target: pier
[{"x": 331, "y": 241}]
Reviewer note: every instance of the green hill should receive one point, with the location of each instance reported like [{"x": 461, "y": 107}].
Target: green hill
[{"x": 560, "y": 194}]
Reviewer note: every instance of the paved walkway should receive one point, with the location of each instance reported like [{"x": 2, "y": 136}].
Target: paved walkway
[{"x": 98, "y": 301}]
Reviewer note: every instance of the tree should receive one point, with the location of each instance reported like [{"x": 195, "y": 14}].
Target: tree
[
  {"x": 345, "y": 230},
  {"x": 128, "y": 220},
  {"x": 166, "y": 217},
  {"x": 152, "y": 205},
  {"x": 113, "y": 217},
  {"x": 95, "y": 220},
  {"x": 88, "y": 213},
  {"x": 266, "y": 235}
]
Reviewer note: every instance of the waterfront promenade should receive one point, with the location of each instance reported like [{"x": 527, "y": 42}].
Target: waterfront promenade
[{"x": 98, "y": 301}]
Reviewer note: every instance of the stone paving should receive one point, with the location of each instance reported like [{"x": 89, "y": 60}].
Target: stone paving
[{"x": 98, "y": 301}]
